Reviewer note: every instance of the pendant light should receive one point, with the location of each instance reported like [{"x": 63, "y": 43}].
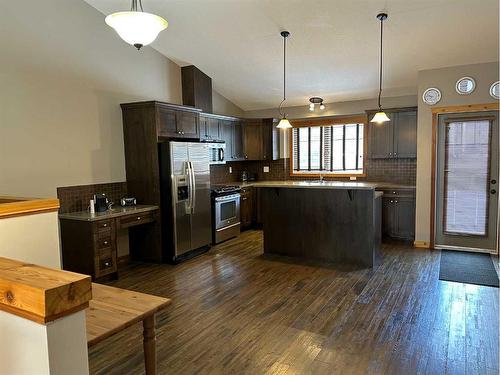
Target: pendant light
[
  {"x": 284, "y": 123},
  {"x": 137, "y": 27},
  {"x": 380, "y": 117}
]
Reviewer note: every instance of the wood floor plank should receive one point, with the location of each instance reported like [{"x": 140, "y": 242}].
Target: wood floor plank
[{"x": 236, "y": 311}]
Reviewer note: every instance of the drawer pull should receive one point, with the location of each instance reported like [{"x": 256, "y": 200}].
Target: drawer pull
[
  {"x": 106, "y": 264},
  {"x": 105, "y": 225},
  {"x": 138, "y": 218},
  {"x": 105, "y": 242}
]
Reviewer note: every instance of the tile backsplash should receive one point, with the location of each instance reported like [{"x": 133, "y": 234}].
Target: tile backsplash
[
  {"x": 76, "y": 198},
  {"x": 398, "y": 171}
]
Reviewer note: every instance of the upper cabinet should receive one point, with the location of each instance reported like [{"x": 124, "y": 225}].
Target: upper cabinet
[
  {"x": 252, "y": 139},
  {"x": 166, "y": 120},
  {"x": 396, "y": 139},
  {"x": 210, "y": 128},
  {"x": 260, "y": 139}
]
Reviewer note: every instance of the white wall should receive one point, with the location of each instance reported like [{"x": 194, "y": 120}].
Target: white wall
[
  {"x": 58, "y": 348},
  {"x": 63, "y": 74},
  {"x": 224, "y": 106},
  {"x": 31, "y": 238},
  {"x": 444, "y": 79}
]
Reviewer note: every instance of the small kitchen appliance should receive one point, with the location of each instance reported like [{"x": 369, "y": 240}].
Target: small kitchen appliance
[{"x": 100, "y": 202}]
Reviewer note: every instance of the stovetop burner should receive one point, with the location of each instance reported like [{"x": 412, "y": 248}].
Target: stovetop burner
[{"x": 223, "y": 190}]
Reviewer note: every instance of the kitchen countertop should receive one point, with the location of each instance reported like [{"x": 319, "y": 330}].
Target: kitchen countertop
[
  {"x": 325, "y": 184},
  {"x": 115, "y": 212}
]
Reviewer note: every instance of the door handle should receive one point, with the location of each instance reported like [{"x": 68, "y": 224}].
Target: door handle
[{"x": 193, "y": 195}]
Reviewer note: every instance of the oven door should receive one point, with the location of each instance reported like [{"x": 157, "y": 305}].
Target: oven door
[{"x": 227, "y": 210}]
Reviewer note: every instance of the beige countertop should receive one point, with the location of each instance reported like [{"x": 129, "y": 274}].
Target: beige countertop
[
  {"x": 114, "y": 212},
  {"x": 325, "y": 184}
]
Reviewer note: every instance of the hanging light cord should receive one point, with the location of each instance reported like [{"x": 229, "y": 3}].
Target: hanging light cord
[
  {"x": 380, "y": 76},
  {"x": 134, "y": 8},
  {"x": 284, "y": 77}
]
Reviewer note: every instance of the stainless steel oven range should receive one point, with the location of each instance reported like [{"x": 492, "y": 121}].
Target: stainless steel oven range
[{"x": 226, "y": 213}]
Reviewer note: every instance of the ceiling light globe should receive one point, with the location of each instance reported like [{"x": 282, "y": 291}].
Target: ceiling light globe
[
  {"x": 284, "y": 124},
  {"x": 380, "y": 118},
  {"x": 137, "y": 28}
]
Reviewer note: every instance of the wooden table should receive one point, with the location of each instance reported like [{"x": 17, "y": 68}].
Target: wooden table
[{"x": 111, "y": 310}]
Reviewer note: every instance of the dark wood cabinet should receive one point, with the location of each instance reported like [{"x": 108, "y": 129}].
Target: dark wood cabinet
[
  {"x": 90, "y": 247},
  {"x": 247, "y": 212},
  {"x": 394, "y": 139},
  {"x": 270, "y": 140},
  {"x": 252, "y": 139},
  {"x": 167, "y": 122},
  {"x": 210, "y": 128},
  {"x": 398, "y": 214},
  {"x": 238, "y": 152},
  {"x": 405, "y": 135},
  {"x": 187, "y": 124}
]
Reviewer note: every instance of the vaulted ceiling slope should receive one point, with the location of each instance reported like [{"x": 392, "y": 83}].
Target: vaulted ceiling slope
[{"x": 333, "y": 49}]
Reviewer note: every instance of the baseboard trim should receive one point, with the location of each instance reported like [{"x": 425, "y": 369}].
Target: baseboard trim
[{"x": 422, "y": 244}]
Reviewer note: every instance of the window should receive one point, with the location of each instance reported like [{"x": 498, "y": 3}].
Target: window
[{"x": 328, "y": 149}]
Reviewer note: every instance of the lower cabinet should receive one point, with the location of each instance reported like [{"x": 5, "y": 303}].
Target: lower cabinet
[
  {"x": 247, "y": 216},
  {"x": 398, "y": 215}
]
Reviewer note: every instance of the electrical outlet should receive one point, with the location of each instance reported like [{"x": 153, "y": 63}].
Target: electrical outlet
[
  {"x": 353, "y": 178},
  {"x": 230, "y": 169},
  {"x": 266, "y": 169}
]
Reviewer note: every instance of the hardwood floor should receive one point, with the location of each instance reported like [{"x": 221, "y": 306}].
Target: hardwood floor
[{"x": 235, "y": 311}]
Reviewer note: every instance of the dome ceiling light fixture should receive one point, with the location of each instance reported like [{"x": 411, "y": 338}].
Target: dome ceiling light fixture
[
  {"x": 284, "y": 123},
  {"x": 137, "y": 27},
  {"x": 380, "y": 117},
  {"x": 315, "y": 100}
]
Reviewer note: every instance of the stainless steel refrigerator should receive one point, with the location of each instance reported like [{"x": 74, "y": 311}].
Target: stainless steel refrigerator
[{"x": 185, "y": 203}]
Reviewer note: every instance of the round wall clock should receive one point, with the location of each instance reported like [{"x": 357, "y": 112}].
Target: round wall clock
[
  {"x": 495, "y": 90},
  {"x": 465, "y": 85},
  {"x": 431, "y": 96}
]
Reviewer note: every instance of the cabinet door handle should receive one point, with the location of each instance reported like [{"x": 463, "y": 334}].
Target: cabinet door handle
[
  {"x": 392, "y": 201},
  {"x": 138, "y": 218},
  {"x": 105, "y": 225},
  {"x": 106, "y": 264},
  {"x": 396, "y": 201},
  {"x": 105, "y": 242},
  {"x": 390, "y": 153}
]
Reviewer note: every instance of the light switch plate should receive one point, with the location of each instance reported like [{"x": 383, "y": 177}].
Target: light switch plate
[
  {"x": 353, "y": 178},
  {"x": 266, "y": 169},
  {"x": 230, "y": 169}
]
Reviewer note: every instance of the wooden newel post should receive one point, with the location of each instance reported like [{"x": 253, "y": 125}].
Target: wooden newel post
[{"x": 150, "y": 345}]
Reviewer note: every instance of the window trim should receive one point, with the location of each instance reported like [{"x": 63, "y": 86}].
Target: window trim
[{"x": 328, "y": 121}]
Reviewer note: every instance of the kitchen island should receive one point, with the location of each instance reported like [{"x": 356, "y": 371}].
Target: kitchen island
[{"x": 336, "y": 222}]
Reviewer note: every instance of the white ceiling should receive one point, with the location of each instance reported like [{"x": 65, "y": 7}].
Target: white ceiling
[{"x": 333, "y": 48}]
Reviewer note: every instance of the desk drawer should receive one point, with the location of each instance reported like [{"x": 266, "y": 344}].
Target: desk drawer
[
  {"x": 136, "y": 219},
  {"x": 105, "y": 262},
  {"x": 103, "y": 225},
  {"x": 104, "y": 240}
]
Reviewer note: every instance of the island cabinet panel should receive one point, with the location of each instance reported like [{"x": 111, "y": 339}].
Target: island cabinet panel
[
  {"x": 396, "y": 139},
  {"x": 329, "y": 225}
]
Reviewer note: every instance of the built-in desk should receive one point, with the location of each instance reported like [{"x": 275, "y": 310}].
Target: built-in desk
[{"x": 89, "y": 244}]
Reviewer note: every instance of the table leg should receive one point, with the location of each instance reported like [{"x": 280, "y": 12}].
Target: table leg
[{"x": 149, "y": 345}]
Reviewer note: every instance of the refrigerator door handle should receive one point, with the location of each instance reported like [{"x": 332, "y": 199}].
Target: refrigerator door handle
[
  {"x": 189, "y": 203},
  {"x": 193, "y": 179}
]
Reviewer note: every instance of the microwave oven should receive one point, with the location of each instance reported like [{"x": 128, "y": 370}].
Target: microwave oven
[{"x": 216, "y": 153}]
